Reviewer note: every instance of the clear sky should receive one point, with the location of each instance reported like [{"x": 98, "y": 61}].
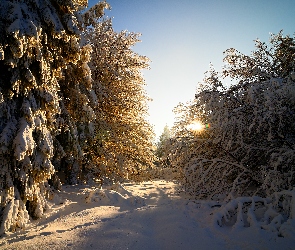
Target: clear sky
[{"x": 182, "y": 37}]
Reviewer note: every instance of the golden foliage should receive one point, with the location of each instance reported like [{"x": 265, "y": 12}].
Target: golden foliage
[{"x": 124, "y": 137}]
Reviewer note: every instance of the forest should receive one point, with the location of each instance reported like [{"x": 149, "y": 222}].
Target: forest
[{"x": 74, "y": 110}]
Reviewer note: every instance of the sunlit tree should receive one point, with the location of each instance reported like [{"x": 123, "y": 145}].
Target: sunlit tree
[
  {"x": 45, "y": 109},
  {"x": 123, "y": 137}
]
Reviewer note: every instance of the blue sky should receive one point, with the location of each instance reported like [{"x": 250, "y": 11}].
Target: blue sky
[{"x": 182, "y": 37}]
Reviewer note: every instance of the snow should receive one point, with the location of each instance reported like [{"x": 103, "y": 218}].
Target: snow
[
  {"x": 150, "y": 215},
  {"x": 24, "y": 143}
]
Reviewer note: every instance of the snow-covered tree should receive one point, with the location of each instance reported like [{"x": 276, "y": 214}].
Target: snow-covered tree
[
  {"x": 45, "y": 111},
  {"x": 163, "y": 141},
  {"x": 248, "y": 146},
  {"x": 123, "y": 137}
]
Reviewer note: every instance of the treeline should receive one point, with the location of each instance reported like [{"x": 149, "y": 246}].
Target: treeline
[{"x": 72, "y": 104}]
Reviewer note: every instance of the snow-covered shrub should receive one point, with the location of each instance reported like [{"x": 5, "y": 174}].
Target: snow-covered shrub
[
  {"x": 275, "y": 213},
  {"x": 44, "y": 107},
  {"x": 248, "y": 145}
]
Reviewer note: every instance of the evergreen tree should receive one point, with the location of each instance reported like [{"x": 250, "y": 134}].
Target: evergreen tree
[
  {"x": 163, "y": 144},
  {"x": 123, "y": 138},
  {"x": 44, "y": 107},
  {"x": 165, "y": 136}
]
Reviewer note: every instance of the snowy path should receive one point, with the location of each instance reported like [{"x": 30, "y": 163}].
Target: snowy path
[{"x": 151, "y": 215}]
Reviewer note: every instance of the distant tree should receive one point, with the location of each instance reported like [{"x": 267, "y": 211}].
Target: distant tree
[
  {"x": 163, "y": 139},
  {"x": 163, "y": 143},
  {"x": 123, "y": 137},
  {"x": 44, "y": 106}
]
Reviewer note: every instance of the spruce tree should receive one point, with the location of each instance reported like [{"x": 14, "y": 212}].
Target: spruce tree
[{"x": 45, "y": 109}]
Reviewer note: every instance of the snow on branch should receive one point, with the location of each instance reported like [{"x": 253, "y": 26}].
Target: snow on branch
[{"x": 275, "y": 214}]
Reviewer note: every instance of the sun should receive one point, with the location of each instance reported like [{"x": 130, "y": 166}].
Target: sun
[{"x": 196, "y": 126}]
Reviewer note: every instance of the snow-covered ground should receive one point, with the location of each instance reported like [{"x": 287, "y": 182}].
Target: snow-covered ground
[{"x": 150, "y": 215}]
